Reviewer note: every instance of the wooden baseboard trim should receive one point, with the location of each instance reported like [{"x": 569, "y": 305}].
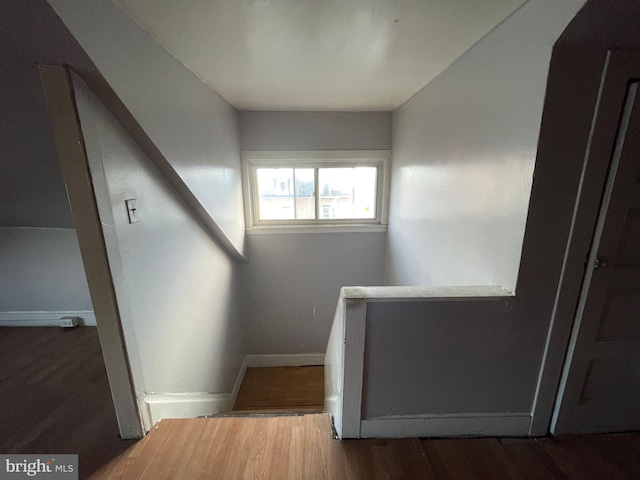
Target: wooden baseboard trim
[
  {"x": 285, "y": 360},
  {"x": 191, "y": 405},
  {"x": 460, "y": 425},
  {"x": 45, "y": 319}
]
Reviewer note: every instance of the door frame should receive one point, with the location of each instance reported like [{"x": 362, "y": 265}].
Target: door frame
[
  {"x": 125, "y": 382},
  {"x": 620, "y": 66},
  {"x": 568, "y": 390}
]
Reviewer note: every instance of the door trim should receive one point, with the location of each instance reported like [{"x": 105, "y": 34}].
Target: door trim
[
  {"x": 620, "y": 66},
  {"x": 74, "y": 164},
  {"x": 595, "y": 245}
]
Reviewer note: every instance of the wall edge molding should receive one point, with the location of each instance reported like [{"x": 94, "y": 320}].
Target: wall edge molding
[
  {"x": 45, "y": 319},
  {"x": 454, "y": 425}
]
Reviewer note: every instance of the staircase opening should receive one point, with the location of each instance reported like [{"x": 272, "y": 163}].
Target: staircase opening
[{"x": 281, "y": 390}]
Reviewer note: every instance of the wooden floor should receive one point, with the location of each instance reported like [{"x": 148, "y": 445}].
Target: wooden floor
[
  {"x": 54, "y": 398},
  {"x": 54, "y": 395},
  {"x": 301, "y": 447},
  {"x": 282, "y": 389}
]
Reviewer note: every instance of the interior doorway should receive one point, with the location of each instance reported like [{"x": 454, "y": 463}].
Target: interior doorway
[
  {"x": 600, "y": 385},
  {"x": 83, "y": 185}
]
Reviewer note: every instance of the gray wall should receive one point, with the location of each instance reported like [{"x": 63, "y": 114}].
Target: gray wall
[
  {"x": 463, "y": 157},
  {"x": 454, "y": 357},
  {"x": 292, "y": 281},
  {"x": 32, "y": 192},
  {"x": 41, "y": 270},
  {"x": 315, "y": 130},
  {"x": 181, "y": 292},
  {"x": 193, "y": 127}
]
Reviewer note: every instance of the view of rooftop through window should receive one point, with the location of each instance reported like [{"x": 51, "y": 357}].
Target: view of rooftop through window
[{"x": 342, "y": 193}]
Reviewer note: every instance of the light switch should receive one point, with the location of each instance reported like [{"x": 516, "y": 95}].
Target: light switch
[{"x": 132, "y": 210}]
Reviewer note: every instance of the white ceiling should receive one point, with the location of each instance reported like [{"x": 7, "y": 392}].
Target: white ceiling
[{"x": 343, "y": 55}]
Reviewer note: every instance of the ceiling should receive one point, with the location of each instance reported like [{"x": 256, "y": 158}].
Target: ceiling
[{"x": 342, "y": 55}]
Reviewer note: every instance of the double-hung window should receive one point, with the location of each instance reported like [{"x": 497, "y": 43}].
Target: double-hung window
[{"x": 316, "y": 190}]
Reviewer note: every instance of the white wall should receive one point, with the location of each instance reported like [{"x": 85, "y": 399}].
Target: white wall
[
  {"x": 41, "y": 270},
  {"x": 464, "y": 150},
  {"x": 194, "y": 128},
  {"x": 292, "y": 281},
  {"x": 176, "y": 287}
]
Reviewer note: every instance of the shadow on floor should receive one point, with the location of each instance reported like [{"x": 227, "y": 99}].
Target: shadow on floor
[{"x": 55, "y": 397}]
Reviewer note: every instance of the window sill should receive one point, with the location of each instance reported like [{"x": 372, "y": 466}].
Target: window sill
[{"x": 352, "y": 228}]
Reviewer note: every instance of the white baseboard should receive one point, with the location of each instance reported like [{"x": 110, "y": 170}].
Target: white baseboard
[
  {"x": 44, "y": 319},
  {"x": 186, "y": 405},
  {"x": 459, "y": 425},
  {"x": 285, "y": 360},
  {"x": 191, "y": 405},
  {"x": 197, "y": 404}
]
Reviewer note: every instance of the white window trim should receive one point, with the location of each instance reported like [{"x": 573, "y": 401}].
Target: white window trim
[{"x": 251, "y": 160}]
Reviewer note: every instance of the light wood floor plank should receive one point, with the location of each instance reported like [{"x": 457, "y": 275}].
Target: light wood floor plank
[{"x": 54, "y": 398}]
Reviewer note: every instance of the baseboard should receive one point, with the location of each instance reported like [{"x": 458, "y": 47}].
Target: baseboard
[
  {"x": 198, "y": 404},
  {"x": 44, "y": 319},
  {"x": 285, "y": 360},
  {"x": 186, "y": 405},
  {"x": 191, "y": 405},
  {"x": 459, "y": 425}
]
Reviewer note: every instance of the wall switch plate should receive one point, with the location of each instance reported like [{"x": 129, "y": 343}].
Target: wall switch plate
[{"x": 132, "y": 210}]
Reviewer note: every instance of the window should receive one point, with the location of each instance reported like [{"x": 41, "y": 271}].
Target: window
[{"x": 312, "y": 190}]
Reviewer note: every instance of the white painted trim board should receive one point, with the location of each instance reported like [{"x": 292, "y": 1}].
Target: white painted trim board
[
  {"x": 192, "y": 404},
  {"x": 285, "y": 360},
  {"x": 196, "y": 404},
  {"x": 45, "y": 319},
  {"x": 454, "y": 425}
]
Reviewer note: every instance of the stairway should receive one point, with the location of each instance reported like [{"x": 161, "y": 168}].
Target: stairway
[{"x": 281, "y": 391}]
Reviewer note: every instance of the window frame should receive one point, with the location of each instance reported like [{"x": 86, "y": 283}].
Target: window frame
[{"x": 252, "y": 160}]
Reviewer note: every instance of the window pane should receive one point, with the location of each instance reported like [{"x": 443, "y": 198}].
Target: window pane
[
  {"x": 305, "y": 189},
  {"x": 348, "y": 192},
  {"x": 275, "y": 193}
]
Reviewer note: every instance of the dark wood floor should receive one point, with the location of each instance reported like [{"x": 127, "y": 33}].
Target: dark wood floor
[
  {"x": 54, "y": 395},
  {"x": 54, "y": 398},
  {"x": 282, "y": 389}
]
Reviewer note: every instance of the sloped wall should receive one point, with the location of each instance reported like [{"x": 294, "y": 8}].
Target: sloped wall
[
  {"x": 194, "y": 128},
  {"x": 175, "y": 286},
  {"x": 464, "y": 151}
]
